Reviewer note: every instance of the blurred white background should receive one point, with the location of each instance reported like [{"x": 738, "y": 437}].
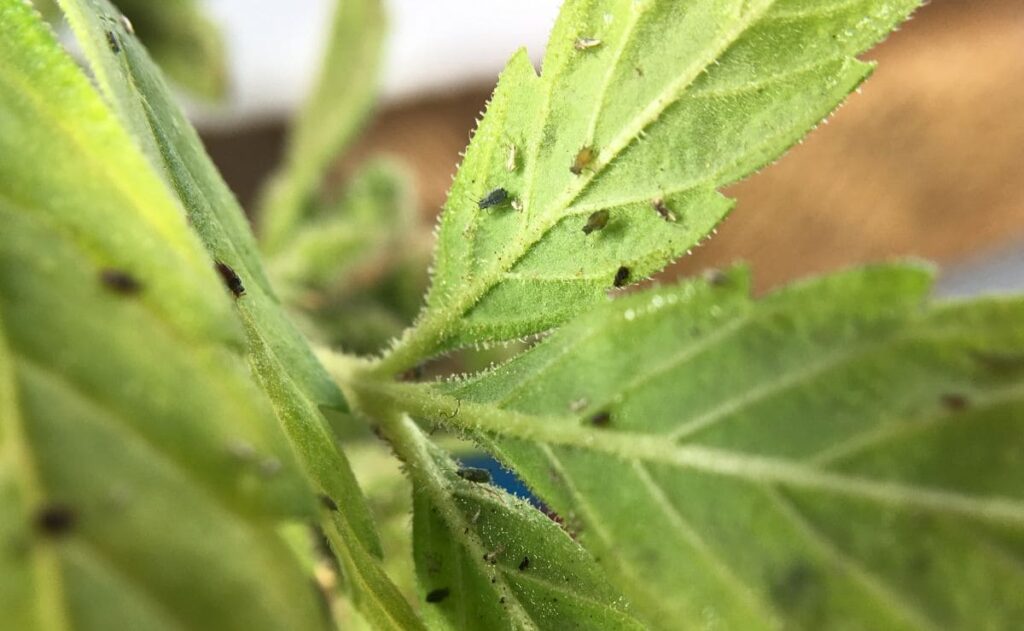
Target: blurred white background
[{"x": 433, "y": 46}]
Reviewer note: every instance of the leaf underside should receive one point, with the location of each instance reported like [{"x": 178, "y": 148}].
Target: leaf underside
[
  {"x": 280, "y": 358},
  {"x": 841, "y": 452},
  {"x": 487, "y": 560},
  {"x": 109, "y": 311},
  {"x": 643, "y": 109}
]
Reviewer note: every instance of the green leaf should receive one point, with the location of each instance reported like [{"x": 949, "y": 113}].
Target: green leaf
[
  {"x": 355, "y": 271},
  {"x": 285, "y": 365},
  {"x": 333, "y": 114},
  {"x": 486, "y": 560},
  {"x": 349, "y": 243},
  {"x": 186, "y": 45},
  {"x": 840, "y": 453},
  {"x": 125, "y": 403},
  {"x": 281, "y": 360},
  {"x": 643, "y": 109}
]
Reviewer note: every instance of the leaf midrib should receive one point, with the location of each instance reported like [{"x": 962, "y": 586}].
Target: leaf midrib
[
  {"x": 426, "y": 404},
  {"x": 437, "y": 488},
  {"x": 436, "y": 323}
]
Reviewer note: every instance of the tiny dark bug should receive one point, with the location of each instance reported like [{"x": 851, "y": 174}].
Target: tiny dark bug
[
  {"x": 596, "y": 221},
  {"x": 328, "y": 503},
  {"x": 115, "y": 46},
  {"x": 621, "y": 276},
  {"x": 472, "y": 474},
  {"x": 663, "y": 210},
  {"x": 716, "y": 277},
  {"x": 55, "y": 520},
  {"x": 120, "y": 281},
  {"x": 583, "y": 159},
  {"x": 496, "y": 197},
  {"x": 954, "y": 402},
  {"x": 438, "y": 595},
  {"x": 601, "y": 419},
  {"x": 231, "y": 279},
  {"x": 525, "y": 563}
]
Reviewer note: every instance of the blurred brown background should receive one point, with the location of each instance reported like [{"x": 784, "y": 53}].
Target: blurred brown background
[{"x": 927, "y": 161}]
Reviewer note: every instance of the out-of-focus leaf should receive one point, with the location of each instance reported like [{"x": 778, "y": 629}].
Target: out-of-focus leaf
[
  {"x": 355, "y": 272},
  {"x": 330, "y": 119},
  {"x": 280, "y": 358},
  {"x": 141, "y": 470},
  {"x": 183, "y": 42}
]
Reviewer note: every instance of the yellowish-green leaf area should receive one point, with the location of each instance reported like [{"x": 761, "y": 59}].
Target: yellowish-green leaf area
[
  {"x": 642, "y": 110},
  {"x": 486, "y": 560},
  {"x": 141, "y": 471},
  {"x": 280, "y": 358},
  {"x": 330, "y": 119},
  {"x": 842, "y": 453}
]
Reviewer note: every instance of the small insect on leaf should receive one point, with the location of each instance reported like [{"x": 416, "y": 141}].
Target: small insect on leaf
[
  {"x": 127, "y": 24},
  {"x": 120, "y": 281},
  {"x": 115, "y": 46},
  {"x": 583, "y": 159},
  {"x": 584, "y": 43},
  {"x": 472, "y": 474},
  {"x": 525, "y": 563},
  {"x": 596, "y": 221},
  {"x": 55, "y": 520},
  {"x": 663, "y": 210},
  {"x": 954, "y": 402},
  {"x": 510, "y": 162},
  {"x": 328, "y": 503},
  {"x": 621, "y": 276},
  {"x": 438, "y": 595},
  {"x": 496, "y": 197},
  {"x": 601, "y": 419},
  {"x": 492, "y": 556},
  {"x": 231, "y": 279}
]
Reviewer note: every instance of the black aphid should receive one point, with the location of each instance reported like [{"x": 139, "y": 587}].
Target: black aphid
[
  {"x": 583, "y": 159},
  {"x": 115, "y": 46},
  {"x": 954, "y": 402},
  {"x": 328, "y": 503},
  {"x": 596, "y": 221},
  {"x": 525, "y": 563},
  {"x": 601, "y": 419},
  {"x": 663, "y": 210},
  {"x": 55, "y": 520},
  {"x": 496, "y": 197},
  {"x": 120, "y": 281},
  {"x": 621, "y": 276},
  {"x": 438, "y": 595},
  {"x": 716, "y": 277},
  {"x": 472, "y": 474},
  {"x": 231, "y": 279}
]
